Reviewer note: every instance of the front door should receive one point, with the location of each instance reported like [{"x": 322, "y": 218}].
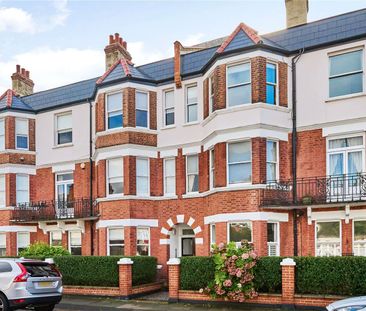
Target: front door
[{"x": 188, "y": 247}]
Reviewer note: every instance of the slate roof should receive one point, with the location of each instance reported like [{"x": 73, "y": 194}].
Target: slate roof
[
  {"x": 10, "y": 100},
  {"x": 311, "y": 35}
]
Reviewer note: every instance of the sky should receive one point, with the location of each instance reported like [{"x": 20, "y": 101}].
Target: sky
[{"x": 62, "y": 41}]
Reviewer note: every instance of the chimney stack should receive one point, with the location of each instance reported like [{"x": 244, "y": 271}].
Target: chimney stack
[
  {"x": 115, "y": 50},
  {"x": 296, "y": 12},
  {"x": 22, "y": 84}
]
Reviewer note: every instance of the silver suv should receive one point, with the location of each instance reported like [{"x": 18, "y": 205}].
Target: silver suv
[{"x": 29, "y": 283}]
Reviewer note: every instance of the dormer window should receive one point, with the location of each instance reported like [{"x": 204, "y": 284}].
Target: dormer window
[
  {"x": 114, "y": 111},
  {"x": 142, "y": 110}
]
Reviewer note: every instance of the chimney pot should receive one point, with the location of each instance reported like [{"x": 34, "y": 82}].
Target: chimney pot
[
  {"x": 116, "y": 36},
  {"x": 27, "y": 73},
  {"x": 23, "y": 72},
  {"x": 124, "y": 44},
  {"x": 110, "y": 39},
  {"x": 120, "y": 41},
  {"x": 18, "y": 68}
]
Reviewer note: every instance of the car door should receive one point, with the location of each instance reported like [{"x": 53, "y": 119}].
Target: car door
[{"x": 6, "y": 275}]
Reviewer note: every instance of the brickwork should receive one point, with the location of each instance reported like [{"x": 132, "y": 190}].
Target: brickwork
[
  {"x": 220, "y": 165},
  {"x": 174, "y": 281},
  {"x": 129, "y": 169},
  {"x": 101, "y": 177},
  {"x": 100, "y": 113},
  {"x": 260, "y": 237},
  {"x": 9, "y": 132},
  {"x": 126, "y": 137},
  {"x": 258, "y": 71},
  {"x": 156, "y": 177},
  {"x": 129, "y": 107},
  {"x": 125, "y": 279},
  {"x": 177, "y": 65},
  {"x": 204, "y": 178},
  {"x": 32, "y": 134},
  {"x": 283, "y": 84},
  {"x": 152, "y": 109},
  {"x": 258, "y": 160},
  {"x": 180, "y": 168},
  {"x": 205, "y": 98},
  {"x": 18, "y": 158},
  {"x": 219, "y": 87}
]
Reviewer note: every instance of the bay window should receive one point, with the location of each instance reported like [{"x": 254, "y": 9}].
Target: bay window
[
  {"x": 2, "y": 134},
  {"x": 359, "y": 237},
  {"x": 346, "y": 73},
  {"x": 273, "y": 238},
  {"x": 271, "y": 161},
  {"x": 239, "y": 90},
  {"x": 328, "y": 238},
  {"x": 114, "y": 110},
  {"x": 240, "y": 231},
  {"x": 22, "y": 188},
  {"x": 271, "y": 84},
  {"x": 2, "y": 191},
  {"x": 142, "y": 176},
  {"x": 116, "y": 242},
  {"x": 115, "y": 176},
  {"x": 211, "y": 92},
  {"x": 169, "y": 176},
  {"x": 64, "y": 128},
  {"x": 2, "y": 244},
  {"x": 143, "y": 241},
  {"x": 239, "y": 162},
  {"x": 169, "y": 109},
  {"x": 21, "y": 134},
  {"x": 75, "y": 243},
  {"x": 23, "y": 241},
  {"x": 142, "y": 109},
  {"x": 192, "y": 173},
  {"x": 191, "y": 104}
]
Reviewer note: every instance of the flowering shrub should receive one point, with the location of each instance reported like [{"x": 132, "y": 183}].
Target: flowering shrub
[{"x": 234, "y": 272}]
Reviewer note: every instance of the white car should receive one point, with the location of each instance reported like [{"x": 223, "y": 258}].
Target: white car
[
  {"x": 29, "y": 283},
  {"x": 349, "y": 304}
]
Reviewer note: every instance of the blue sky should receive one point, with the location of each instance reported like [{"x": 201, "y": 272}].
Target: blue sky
[{"x": 62, "y": 41}]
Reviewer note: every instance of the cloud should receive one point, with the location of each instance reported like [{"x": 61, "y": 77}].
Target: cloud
[
  {"x": 20, "y": 21},
  {"x": 141, "y": 55},
  {"x": 193, "y": 39},
  {"x": 51, "y": 68},
  {"x": 16, "y": 20}
]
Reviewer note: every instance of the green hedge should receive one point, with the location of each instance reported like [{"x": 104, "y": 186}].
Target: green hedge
[
  {"x": 196, "y": 272},
  {"x": 331, "y": 275},
  {"x": 267, "y": 275},
  {"x": 103, "y": 270}
]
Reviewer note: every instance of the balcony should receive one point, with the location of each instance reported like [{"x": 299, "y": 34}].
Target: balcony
[
  {"x": 55, "y": 211},
  {"x": 316, "y": 191}
]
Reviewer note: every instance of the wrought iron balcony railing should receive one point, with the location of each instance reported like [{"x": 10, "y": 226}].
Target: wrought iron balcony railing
[
  {"x": 55, "y": 210},
  {"x": 316, "y": 190}
]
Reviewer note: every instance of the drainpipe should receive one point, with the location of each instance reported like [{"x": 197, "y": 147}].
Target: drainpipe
[
  {"x": 294, "y": 144},
  {"x": 91, "y": 174}
]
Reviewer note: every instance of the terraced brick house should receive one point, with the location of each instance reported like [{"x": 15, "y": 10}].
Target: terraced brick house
[{"x": 256, "y": 137}]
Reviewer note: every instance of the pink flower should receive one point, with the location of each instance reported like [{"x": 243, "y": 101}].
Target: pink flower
[
  {"x": 228, "y": 283},
  {"x": 253, "y": 254},
  {"x": 245, "y": 256},
  {"x": 238, "y": 273}
]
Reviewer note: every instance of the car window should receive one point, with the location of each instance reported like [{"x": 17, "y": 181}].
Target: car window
[
  {"x": 40, "y": 269},
  {"x": 5, "y": 267}
]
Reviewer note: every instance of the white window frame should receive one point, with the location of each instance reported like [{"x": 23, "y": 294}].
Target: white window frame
[
  {"x": 239, "y": 222},
  {"x": 149, "y": 243},
  {"x": 338, "y": 53},
  {"x": 211, "y": 94},
  {"x": 316, "y": 234},
  {"x": 277, "y": 163},
  {"x": 4, "y": 245},
  {"x": 64, "y": 130},
  {"x": 108, "y": 241},
  {"x": 227, "y": 163},
  {"x": 192, "y": 104},
  {"x": 70, "y": 246},
  {"x": 354, "y": 242},
  {"x": 22, "y": 232},
  {"x": 148, "y": 177},
  {"x": 276, "y": 85},
  {"x": 198, "y": 171},
  {"x": 63, "y": 183},
  {"x": 113, "y": 111},
  {"x": 21, "y": 135},
  {"x": 278, "y": 235},
  {"x": 241, "y": 84},
  {"x": 107, "y": 177},
  {"x": 2, "y": 121},
  {"x": 345, "y": 150},
  {"x": 2, "y": 176},
  {"x": 51, "y": 238},
  {"x": 212, "y": 167},
  {"x": 212, "y": 236},
  {"x": 165, "y": 109},
  {"x": 16, "y": 188},
  {"x": 147, "y": 109},
  {"x": 165, "y": 177}
]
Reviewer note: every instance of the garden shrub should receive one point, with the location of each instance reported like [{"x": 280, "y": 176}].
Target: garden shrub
[
  {"x": 268, "y": 275},
  {"x": 331, "y": 275},
  {"x": 103, "y": 270},
  {"x": 196, "y": 272},
  {"x": 41, "y": 250}
]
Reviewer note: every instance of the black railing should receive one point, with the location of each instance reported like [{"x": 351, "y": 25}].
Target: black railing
[
  {"x": 55, "y": 210},
  {"x": 316, "y": 190}
]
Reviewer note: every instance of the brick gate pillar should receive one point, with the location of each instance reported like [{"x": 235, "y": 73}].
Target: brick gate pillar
[
  {"x": 125, "y": 277},
  {"x": 174, "y": 278},
  {"x": 288, "y": 281}
]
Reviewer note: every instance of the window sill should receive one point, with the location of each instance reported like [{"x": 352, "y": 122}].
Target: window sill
[
  {"x": 191, "y": 195},
  {"x": 168, "y": 127},
  {"x": 125, "y": 129},
  {"x": 343, "y": 97},
  {"x": 63, "y": 146},
  {"x": 191, "y": 123}
]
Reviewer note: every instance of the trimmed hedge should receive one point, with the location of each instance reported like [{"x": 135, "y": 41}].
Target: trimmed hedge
[
  {"x": 196, "y": 272},
  {"x": 103, "y": 270},
  {"x": 331, "y": 275}
]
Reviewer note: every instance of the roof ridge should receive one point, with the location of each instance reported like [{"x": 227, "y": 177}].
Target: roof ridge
[
  {"x": 123, "y": 62},
  {"x": 9, "y": 93},
  {"x": 250, "y": 32}
]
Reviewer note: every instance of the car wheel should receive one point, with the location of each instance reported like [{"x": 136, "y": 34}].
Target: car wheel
[
  {"x": 44, "y": 308},
  {"x": 4, "y": 305}
]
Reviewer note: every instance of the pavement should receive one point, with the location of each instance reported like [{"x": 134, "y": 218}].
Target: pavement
[{"x": 77, "y": 303}]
